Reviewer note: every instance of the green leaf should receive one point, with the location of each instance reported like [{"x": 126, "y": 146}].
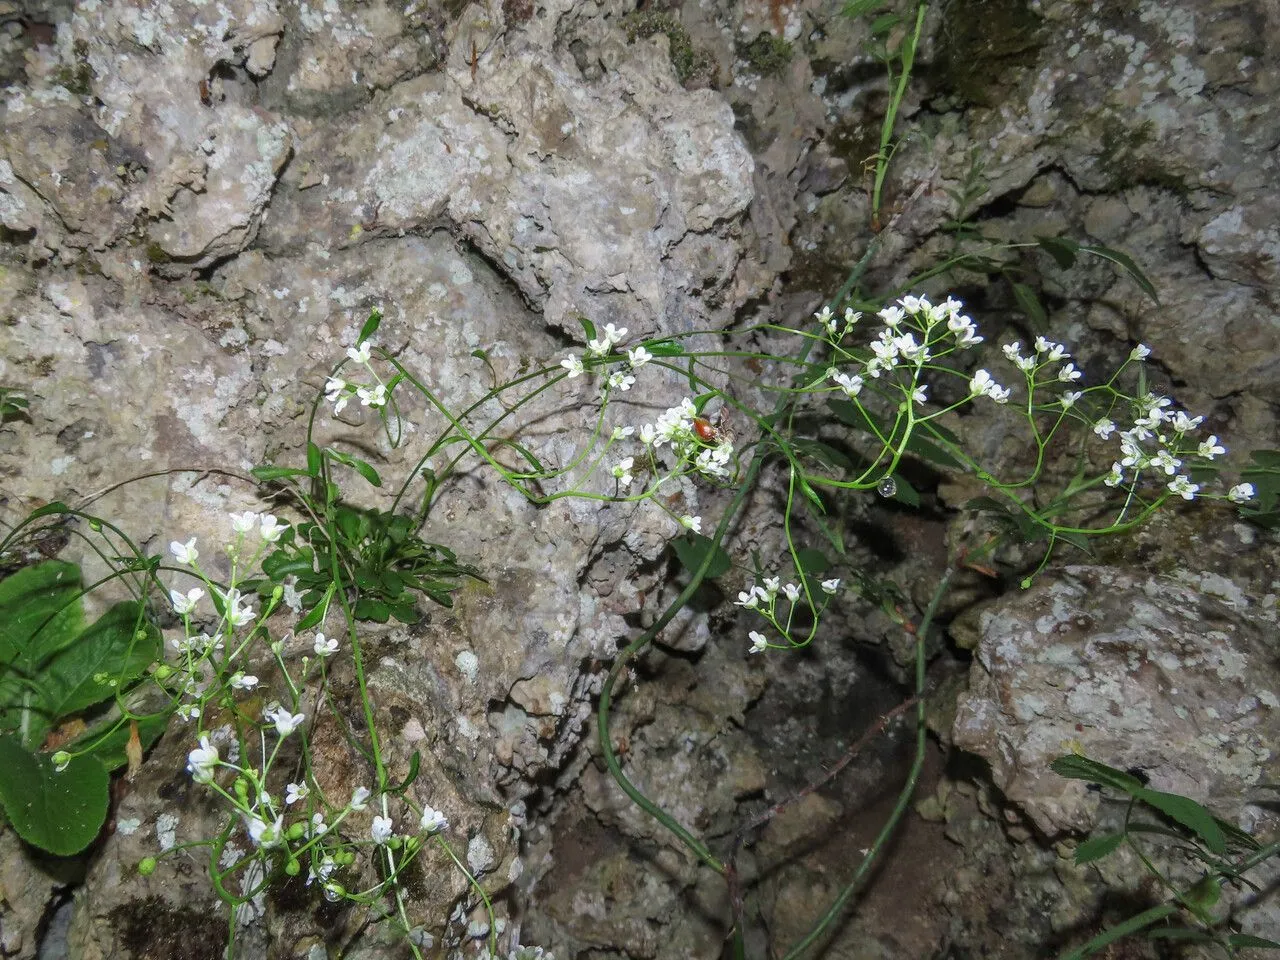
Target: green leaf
[
  {"x": 415, "y": 761},
  {"x": 317, "y": 612},
  {"x": 315, "y": 460},
  {"x": 1061, "y": 249},
  {"x": 1095, "y": 848},
  {"x": 370, "y": 326},
  {"x": 1184, "y": 934},
  {"x": 665, "y": 348},
  {"x": 812, "y": 562},
  {"x": 692, "y": 549},
  {"x": 1126, "y": 263},
  {"x": 588, "y": 327},
  {"x": 1075, "y": 767},
  {"x": 1031, "y": 307},
  {"x": 48, "y": 510},
  {"x": 859, "y": 8},
  {"x": 40, "y": 613},
  {"x": 57, "y": 812},
  {"x": 370, "y": 608},
  {"x": 1188, "y": 813},
  {"x": 1078, "y": 540},
  {"x": 904, "y": 492},
  {"x": 1263, "y": 458},
  {"x": 106, "y": 658},
  {"x": 358, "y": 465},
  {"x": 406, "y": 611},
  {"x": 1248, "y": 940},
  {"x": 265, "y": 474}
]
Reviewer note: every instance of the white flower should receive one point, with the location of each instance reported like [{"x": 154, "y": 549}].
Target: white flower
[
  {"x": 1183, "y": 487},
  {"x": 202, "y": 760},
  {"x": 432, "y": 821},
  {"x": 620, "y": 381},
  {"x": 920, "y": 394},
  {"x": 372, "y": 398},
  {"x": 638, "y": 357},
  {"x": 647, "y": 434},
  {"x": 1211, "y": 448},
  {"x": 614, "y": 334},
  {"x": 747, "y": 599},
  {"x": 244, "y": 681},
  {"x": 598, "y": 348},
  {"x": 572, "y": 363},
  {"x": 851, "y": 317},
  {"x": 325, "y": 647},
  {"x": 381, "y": 830},
  {"x": 295, "y": 792},
  {"x": 622, "y": 472},
  {"x": 185, "y": 553},
  {"x": 915, "y": 304},
  {"x": 771, "y": 585},
  {"x": 1140, "y": 352},
  {"x": 691, "y": 523},
  {"x": 1055, "y": 351},
  {"x": 1104, "y": 428},
  {"x": 184, "y": 603},
  {"x": 272, "y": 528},
  {"x": 981, "y": 384},
  {"x": 851, "y": 385},
  {"x": 265, "y": 834},
  {"x": 317, "y": 827},
  {"x": 1167, "y": 462},
  {"x": 1069, "y": 373},
  {"x": 825, "y": 318},
  {"x": 965, "y": 330},
  {"x": 999, "y": 394},
  {"x": 285, "y": 721},
  {"x": 1182, "y": 423},
  {"x": 831, "y": 586},
  {"x": 359, "y": 798},
  {"x": 758, "y": 643},
  {"x": 359, "y": 354},
  {"x": 333, "y": 388},
  {"x": 892, "y": 316},
  {"x": 621, "y": 432},
  {"x": 243, "y": 522},
  {"x": 1069, "y": 399},
  {"x": 792, "y": 592},
  {"x": 237, "y": 615},
  {"x": 1115, "y": 477},
  {"x": 1241, "y": 493}
]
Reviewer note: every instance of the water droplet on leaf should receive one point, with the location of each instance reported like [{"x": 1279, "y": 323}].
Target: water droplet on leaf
[{"x": 887, "y": 487}]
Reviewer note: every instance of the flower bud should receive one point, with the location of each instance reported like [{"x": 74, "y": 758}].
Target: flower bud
[
  {"x": 296, "y": 830},
  {"x": 95, "y": 524},
  {"x": 147, "y": 866},
  {"x": 292, "y": 867},
  {"x": 241, "y": 787},
  {"x": 60, "y": 760},
  {"x": 277, "y": 593},
  {"x": 163, "y": 672}
]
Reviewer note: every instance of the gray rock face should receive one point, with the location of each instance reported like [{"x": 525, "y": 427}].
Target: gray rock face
[{"x": 1136, "y": 671}]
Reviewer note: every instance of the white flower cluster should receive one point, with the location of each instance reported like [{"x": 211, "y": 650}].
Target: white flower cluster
[
  {"x": 340, "y": 392},
  {"x": 764, "y": 601},
  {"x": 600, "y": 347},
  {"x": 915, "y": 332}
]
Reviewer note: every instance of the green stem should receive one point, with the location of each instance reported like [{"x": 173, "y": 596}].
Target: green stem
[{"x": 908, "y": 789}]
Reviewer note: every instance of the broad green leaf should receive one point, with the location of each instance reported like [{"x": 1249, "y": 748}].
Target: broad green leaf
[
  {"x": 370, "y": 608},
  {"x": 321, "y": 606},
  {"x": 904, "y": 492},
  {"x": 1126, "y": 263},
  {"x": 692, "y": 550},
  {"x": 1095, "y": 848},
  {"x": 370, "y": 326},
  {"x": 1075, "y": 767},
  {"x": 106, "y": 658},
  {"x": 588, "y": 327},
  {"x": 1266, "y": 458},
  {"x": 40, "y": 613},
  {"x": 812, "y": 562},
  {"x": 57, "y": 812},
  {"x": 1061, "y": 249},
  {"x": 358, "y": 465},
  {"x": 1077, "y": 540},
  {"x": 1188, "y": 813}
]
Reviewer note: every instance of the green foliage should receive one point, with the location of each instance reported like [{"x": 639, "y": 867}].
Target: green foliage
[
  {"x": 1223, "y": 852},
  {"x": 378, "y": 553},
  {"x": 13, "y": 404},
  {"x": 1264, "y": 474},
  {"x": 690, "y": 61},
  {"x": 768, "y": 54},
  {"x": 53, "y": 668}
]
